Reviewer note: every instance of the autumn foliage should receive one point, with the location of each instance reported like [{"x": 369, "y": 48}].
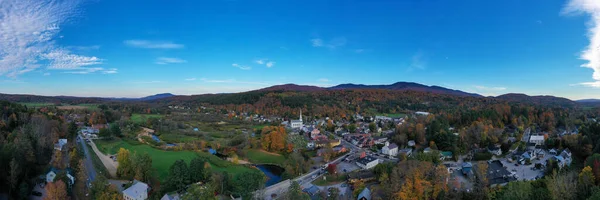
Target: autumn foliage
[{"x": 274, "y": 139}]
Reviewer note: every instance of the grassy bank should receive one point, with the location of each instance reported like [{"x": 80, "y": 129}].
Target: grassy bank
[{"x": 261, "y": 157}]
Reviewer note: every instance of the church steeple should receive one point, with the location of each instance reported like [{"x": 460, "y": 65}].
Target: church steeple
[{"x": 300, "y": 114}]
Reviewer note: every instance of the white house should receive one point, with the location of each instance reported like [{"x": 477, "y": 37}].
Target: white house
[
  {"x": 495, "y": 150},
  {"x": 297, "y": 123},
  {"x": 367, "y": 162},
  {"x": 422, "y": 113},
  {"x": 537, "y": 139},
  {"x": 51, "y": 175},
  {"x": 60, "y": 144},
  {"x": 411, "y": 143},
  {"x": 390, "y": 149},
  {"x": 138, "y": 191}
]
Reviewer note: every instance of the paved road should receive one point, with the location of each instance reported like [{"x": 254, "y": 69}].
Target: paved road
[
  {"x": 89, "y": 166},
  {"x": 108, "y": 162}
]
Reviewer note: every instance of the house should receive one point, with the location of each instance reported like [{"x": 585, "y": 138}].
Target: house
[
  {"x": 552, "y": 152},
  {"x": 51, "y": 175},
  {"x": 367, "y": 162},
  {"x": 170, "y": 197},
  {"x": 313, "y": 190},
  {"x": 212, "y": 151},
  {"x": 364, "y": 176},
  {"x": 427, "y": 150},
  {"x": 467, "y": 168},
  {"x": 365, "y": 194},
  {"x": 390, "y": 149},
  {"x": 411, "y": 143},
  {"x": 407, "y": 152},
  {"x": 564, "y": 159},
  {"x": 138, "y": 191},
  {"x": 495, "y": 150},
  {"x": 59, "y": 145},
  {"x": 380, "y": 140},
  {"x": 339, "y": 149},
  {"x": 422, "y": 113},
  {"x": 537, "y": 139},
  {"x": 497, "y": 175},
  {"x": 445, "y": 155}
]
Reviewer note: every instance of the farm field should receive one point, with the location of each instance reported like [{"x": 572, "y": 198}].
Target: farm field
[
  {"x": 261, "y": 157},
  {"x": 162, "y": 160},
  {"x": 141, "y": 118},
  {"x": 36, "y": 105},
  {"x": 393, "y": 115},
  {"x": 62, "y": 106}
]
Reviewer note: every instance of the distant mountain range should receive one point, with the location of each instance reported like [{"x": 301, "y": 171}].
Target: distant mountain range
[{"x": 399, "y": 86}]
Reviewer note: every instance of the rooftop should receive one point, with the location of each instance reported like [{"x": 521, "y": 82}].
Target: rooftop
[
  {"x": 136, "y": 189},
  {"x": 366, "y": 160}
]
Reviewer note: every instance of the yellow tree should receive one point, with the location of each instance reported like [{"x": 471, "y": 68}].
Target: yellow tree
[
  {"x": 56, "y": 191},
  {"x": 124, "y": 159}
]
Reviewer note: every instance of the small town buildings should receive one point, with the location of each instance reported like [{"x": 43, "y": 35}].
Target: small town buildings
[
  {"x": 407, "y": 152},
  {"x": 365, "y": 194},
  {"x": 297, "y": 123},
  {"x": 51, "y": 175},
  {"x": 495, "y": 150},
  {"x": 445, "y": 155},
  {"x": 467, "y": 168},
  {"x": 427, "y": 150},
  {"x": 380, "y": 140},
  {"x": 313, "y": 190},
  {"x": 137, "y": 191},
  {"x": 390, "y": 149},
  {"x": 497, "y": 175},
  {"x": 552, "y": 152},
  {"x": 537, "y": 139},
  {"x": 564, "y": 159},
  {"x": 59, "y": 145},
  {"x": 367, "y": 162},
  {"x": 170, "y": 197},
  {"x": 364, "y": 176},
  {"x": 422, "y": 113}
]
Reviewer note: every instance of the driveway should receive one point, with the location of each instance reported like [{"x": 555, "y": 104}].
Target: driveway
[
  {"x": 345, "y": 167},
  {"x": 524, "y": 172},
  {"x": 110, "y": 165}
]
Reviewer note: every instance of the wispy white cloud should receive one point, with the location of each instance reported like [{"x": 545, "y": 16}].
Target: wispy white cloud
[
  {"x": 323, "y": 80},
  {"x": 147, "y": 82},
  {"x": 418, "y": 61},
  {"x": 331, "y": 44},
  {"x": 484, "y": 88},
  {"x": 167, "y": 60},
  {"x": 190, "y": 79},
  {"x": 539, "y": 21},
  {"x": 242, "y": 67},
  {"x": 147, "y": 44},
  {"x": 260, "y": 61},
  {"x": 270, "y": 64},
  {"x": 592, "y": 53},
  {"x": 110, "y": 71},
  {"x": 84, "y": 48},
  {"x": 47, "y": 74},
  {"x": 84, "y": 70},
  {"x": 316, "y": 42},
  {"x": 231, "y": 81},
  {"x": 28, "y": 29}
]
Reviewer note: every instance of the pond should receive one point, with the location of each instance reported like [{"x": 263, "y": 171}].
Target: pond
[{"x": 273, "y": 173}]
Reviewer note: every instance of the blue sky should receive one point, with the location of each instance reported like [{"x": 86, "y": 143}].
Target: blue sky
[{"x": 134, "y": 48}]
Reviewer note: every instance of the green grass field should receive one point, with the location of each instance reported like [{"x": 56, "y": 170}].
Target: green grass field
[
  {"x": 141, "y": 118},
  {"x": 260, "y": 157},
  {"x": 393, "y": 115},
  {"x": 176, "y": 138},
  {"x": 36, "y": 105},
  {"x": 162, "y": 160}
]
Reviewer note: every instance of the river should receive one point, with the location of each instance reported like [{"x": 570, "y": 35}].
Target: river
[{"x": 273, "y": 173}]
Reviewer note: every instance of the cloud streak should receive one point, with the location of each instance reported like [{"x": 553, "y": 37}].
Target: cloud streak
[
  {"x": 592, "y": 53},
  {"x": 28, "y": 29},
  {"x": 242, "y": 67},
  {"x": 331, "y": 44},
  {"x": 147, "y": 44},
  {"x": 167, "y": 60}
]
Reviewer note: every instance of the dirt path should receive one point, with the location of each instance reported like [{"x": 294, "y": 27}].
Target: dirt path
[
  {"x": 240, "y": 161},
  {"x": 110, "y": 165}
]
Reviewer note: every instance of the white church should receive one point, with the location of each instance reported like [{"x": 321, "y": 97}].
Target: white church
[{"x": 297, "y": 123}]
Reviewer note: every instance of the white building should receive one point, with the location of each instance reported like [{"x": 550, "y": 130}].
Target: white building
[
  {"x": 60, "y": 144},
  {"x": 537, "y": 139},
  {"x": 422, "y": 113},
  {"x": 138, "y": 191},
  {"x": 367, "y": 162},
  {"x": 390, "y": 149},
  {"x": 297, "y": 123}
]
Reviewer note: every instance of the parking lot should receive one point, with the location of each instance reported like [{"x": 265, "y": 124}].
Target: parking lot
[
  {"x": 345, "y": 167},
  {"x": 526, "y": 172}
]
